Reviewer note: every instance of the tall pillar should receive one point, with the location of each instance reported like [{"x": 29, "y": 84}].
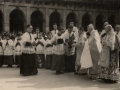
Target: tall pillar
[
  {"x": 47, "y": 20},
  {"x": 23, "y": 1},
  {"x": 64, "y": 18},
  {"x": 6, "y": 17},
  {"x": 28, "y": 15},
  {"x": 79, "y": 18},
  {"x": 94, "y": 18},
  {"x": 118, "y": 17}
]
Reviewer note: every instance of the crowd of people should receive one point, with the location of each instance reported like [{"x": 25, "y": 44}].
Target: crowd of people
[{"x": 91, "y": 53}]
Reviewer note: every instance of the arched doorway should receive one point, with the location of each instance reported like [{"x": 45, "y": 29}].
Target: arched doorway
[
  {"x": 37, "y": 20},
  {"x": 71, "y": 16},
  {"x": 99, "y": 22},
  {"x": 55, "y": 17},
  {"x": 1, "y": 21},
  {"x": 86, "y": 20},
  {"x": 112, "y": 20},
  {"x": 17, "y": 21}
]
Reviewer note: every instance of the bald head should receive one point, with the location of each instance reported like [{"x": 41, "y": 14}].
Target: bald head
[
  {"x": 108, "y": 28},
  {"x": 106, "y": 23},
  {"x": 117, "y": 28}
]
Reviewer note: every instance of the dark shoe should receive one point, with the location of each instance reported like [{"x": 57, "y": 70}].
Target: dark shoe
[
  {"x": 33, "y": 73},
  {"x": 25, "y": 74},
  {"x": 57, "y": 73},
  {"x": 60, "y": 72},
  {"x": 83, "y": 73},
  {"x": 18, "y": 66},
  {"x": 76, "y": 73},
  {"x": 10, "y": 66}
]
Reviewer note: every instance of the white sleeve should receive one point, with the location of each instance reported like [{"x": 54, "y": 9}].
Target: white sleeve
[
  {"x": 23, "y": 38},
  {"x": 53, "y": 39},
  {"x": 33, "y": 39},
  {"x": 44, "y": 42},
  {"x": 36, "y": 41}
]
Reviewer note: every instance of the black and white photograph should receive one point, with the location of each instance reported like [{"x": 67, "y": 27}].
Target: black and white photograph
[{"x": 59, "y": 44}]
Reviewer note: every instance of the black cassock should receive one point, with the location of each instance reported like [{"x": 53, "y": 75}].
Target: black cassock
[{"x": 28, "y": 62}]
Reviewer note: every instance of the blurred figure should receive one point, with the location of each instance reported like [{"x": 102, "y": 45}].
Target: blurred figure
[
  {"x": 8, "y": 51},
  {"x": 95, "y": 50},
  {"x": 28, "y": 62},
  {"x": 70, "y": 39},
  {"x": 118, "y": 35},
  {"x": 55, "y": 31},
  {"x": 49, "y": 51},
  {"x": 18, "y": 49},
  {"x": 79, "y": 49},
  {"x": 103, "y": 31},
  {"x": 36, "y": 34},
  {"x": 58, "y": 61},
  {"x": 109, "y": 56},
  {"x": 1, "y": 52},
  {"x": 40, "y": 50},
  {"x": 75, "y": 29}
]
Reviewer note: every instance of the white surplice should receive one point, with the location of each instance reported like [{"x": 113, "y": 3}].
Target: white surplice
[{"x": 86, "y": 60}]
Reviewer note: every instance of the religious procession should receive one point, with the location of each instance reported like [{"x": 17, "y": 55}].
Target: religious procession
[{"x": 92, "y": 54}]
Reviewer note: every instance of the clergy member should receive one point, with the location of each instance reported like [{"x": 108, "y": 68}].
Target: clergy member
[
  {"x": 55, "y": 31},
  {"x": 28, "y": 63},
  {"x": 95, "y": 50}
]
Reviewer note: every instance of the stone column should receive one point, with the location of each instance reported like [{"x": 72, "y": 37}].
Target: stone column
[
  {"x": 28, "y": 15},
  {"x": 94, "y": 18},
  {"x": 118, "y": 17},
  {"x": 79, "y": 18},
  {"x": 46, "y": 25},
  {"x": 64, "y": 18},
  {"x": 6, "y": 25},
  {"x": 23, "y": 1}
]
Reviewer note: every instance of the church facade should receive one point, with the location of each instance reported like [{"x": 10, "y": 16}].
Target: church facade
[{"x": 16, "y": 14}]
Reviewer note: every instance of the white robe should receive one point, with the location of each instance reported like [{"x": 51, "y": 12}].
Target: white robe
[
  {"x": 86, "y": 60},
  {"x": 8, "y": 49},
  {"x": 26, "y": 38},
  {"x": 39, "y": 48},
  {"x": 59, "y": 48},
  {"x": 48, "y": 50},
  {"x": 18, "y": 48},
  {"x": 1, "y": 48}
]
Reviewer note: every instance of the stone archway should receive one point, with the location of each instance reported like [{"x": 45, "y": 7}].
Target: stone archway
[
  {"x": 86, "y": 20},
  {"x": 71, "y": 16},
  {"x": 1, "y": 22},
  {"x": 37, "y": 19},
  {"x": 112, "y": 20},
  {"x": 55, "y": 17},
  {"x": 99, "y": 22},
  {"x": 17, "y": 21}
]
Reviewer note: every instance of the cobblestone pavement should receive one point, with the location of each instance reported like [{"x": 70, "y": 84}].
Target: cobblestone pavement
[{"x": 10, "y": 79}]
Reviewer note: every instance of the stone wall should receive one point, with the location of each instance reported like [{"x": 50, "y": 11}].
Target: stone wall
[{"x": 46, "y": 10}]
